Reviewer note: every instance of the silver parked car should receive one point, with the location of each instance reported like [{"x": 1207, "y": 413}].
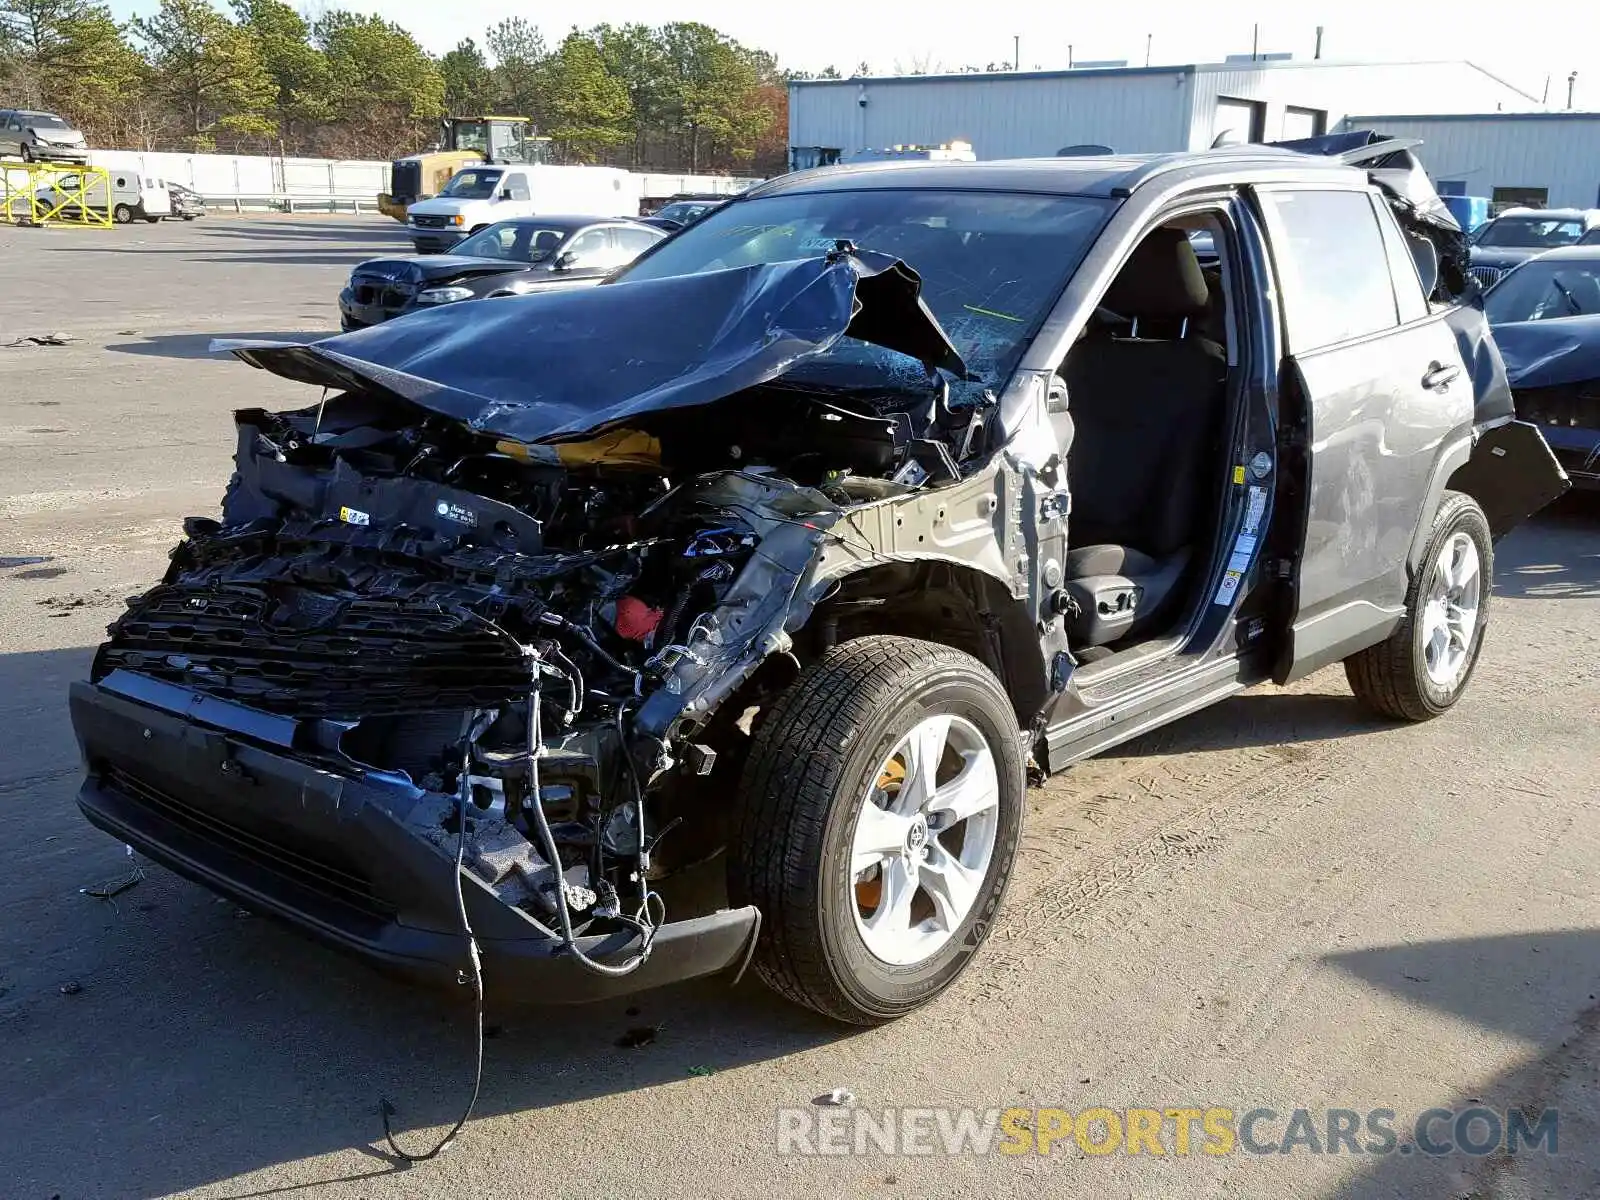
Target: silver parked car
[{"x": 40, "y": 137}]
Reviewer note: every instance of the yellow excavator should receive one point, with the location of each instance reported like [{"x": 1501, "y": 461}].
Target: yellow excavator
[{"x": 462, "y": 140}]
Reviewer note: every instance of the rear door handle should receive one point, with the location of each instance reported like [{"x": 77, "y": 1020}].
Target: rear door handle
[{"x": 1440, "y": 376}]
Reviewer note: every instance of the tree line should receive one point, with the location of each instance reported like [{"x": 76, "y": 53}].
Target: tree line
[{"x": 267, "y": 80}]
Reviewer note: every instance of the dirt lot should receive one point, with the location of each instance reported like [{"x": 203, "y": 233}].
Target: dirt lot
[{"x": 1277, "y": 904}]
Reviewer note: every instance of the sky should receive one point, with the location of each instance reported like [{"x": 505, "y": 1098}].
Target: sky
[{"x": 1564, "y": 37}]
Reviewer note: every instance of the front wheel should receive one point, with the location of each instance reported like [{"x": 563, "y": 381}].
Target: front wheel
[
  {"x": 122, "y": 214},
  {"x": 881, "y": 808},
  {"x": 1422, "y": 668}
]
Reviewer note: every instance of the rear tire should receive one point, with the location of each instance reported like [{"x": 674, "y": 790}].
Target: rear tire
[
  {"x": 922, "y": 733},
  {"x": 1423, "y": 667},
  {"x": 122, "y": 214}
]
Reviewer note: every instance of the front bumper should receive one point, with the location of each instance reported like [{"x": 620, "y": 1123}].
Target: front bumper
[
  {"x": 435, "y": 241},
  {"x": 355, "y": 315},
  {"x": 66, "y": 154},
  {"x": 208, "y": 789}
]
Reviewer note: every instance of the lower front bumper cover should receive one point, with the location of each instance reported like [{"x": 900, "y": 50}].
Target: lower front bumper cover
[{"x": 331, "y": 854}]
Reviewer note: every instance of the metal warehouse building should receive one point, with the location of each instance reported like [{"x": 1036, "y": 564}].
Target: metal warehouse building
[
  {"x": 1544, "y": 159},
  {"x": 1131, "y": 110}
]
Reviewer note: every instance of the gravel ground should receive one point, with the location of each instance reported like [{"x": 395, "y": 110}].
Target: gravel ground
[{"x": 1277, "y": 903}]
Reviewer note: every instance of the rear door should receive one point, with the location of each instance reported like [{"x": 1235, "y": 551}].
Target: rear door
[{"x": 1381, "y": 390}]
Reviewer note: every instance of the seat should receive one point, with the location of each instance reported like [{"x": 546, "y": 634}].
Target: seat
[{"x": 1147, "y": 416}]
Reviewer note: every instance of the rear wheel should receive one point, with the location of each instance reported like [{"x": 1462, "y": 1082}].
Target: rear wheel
[
  {"x": 122, "y": 214},
  {"x": 1422, "y": 668},
  {"x": 880, "y": 814}
]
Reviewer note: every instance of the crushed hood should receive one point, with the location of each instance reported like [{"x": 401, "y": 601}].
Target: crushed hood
[
  {"x": 1550, "y": 353},
  {"x": 563, "y": 363}
]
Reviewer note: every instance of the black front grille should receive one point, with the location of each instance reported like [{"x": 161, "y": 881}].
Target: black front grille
[
  {"x": 424, "y": 222},
  {"x": 322, "y": 869},
  {"x": 1487, "y": 277},
  {"x": 390, "y": 294},
  {"x": 1571, "y": 406},
  {"x": 303, "y": 652}
]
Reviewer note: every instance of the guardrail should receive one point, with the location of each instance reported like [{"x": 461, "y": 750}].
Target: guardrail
[{"x": 290, "y": 202}]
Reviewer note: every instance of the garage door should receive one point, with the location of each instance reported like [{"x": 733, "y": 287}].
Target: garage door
[
  {"x": 1241, "y": 120},
  {"x": 1303, "y": 123}
]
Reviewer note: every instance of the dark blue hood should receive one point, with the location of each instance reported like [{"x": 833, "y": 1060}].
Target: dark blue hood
[
  {"x": 1550, "y": 353},
  {"x": 560, "y": 364}
]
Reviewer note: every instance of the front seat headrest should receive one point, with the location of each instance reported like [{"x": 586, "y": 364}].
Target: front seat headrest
[{"x": 1162, "y": 279}]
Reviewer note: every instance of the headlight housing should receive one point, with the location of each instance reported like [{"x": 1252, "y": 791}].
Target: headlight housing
[{"x": 444, "y": 295}]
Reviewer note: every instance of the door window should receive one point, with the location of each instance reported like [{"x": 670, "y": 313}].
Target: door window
[
  {"x": 1332, "y": 269},
  {"x": 589, "y": 250},
  {"x": 633, "y": 242},
  {"x": 516, "y": 188}
]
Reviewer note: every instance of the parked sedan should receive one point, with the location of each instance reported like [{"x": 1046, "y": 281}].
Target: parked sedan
[
  {"x": 40, "y": 137},
  {"x": 1546, "y": 319},
  {"x": 683, "y": 212},
  {"x": 507, "y": 259}
]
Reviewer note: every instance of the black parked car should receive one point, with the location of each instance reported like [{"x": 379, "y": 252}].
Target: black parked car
[
  {"x": 1546, "y": 318},
  {"x": 1517, "y": 234},
  {"x": 186, "y": 202},
  {"x": 510, "y": 258},
  {"x": 683, "y": 211}
]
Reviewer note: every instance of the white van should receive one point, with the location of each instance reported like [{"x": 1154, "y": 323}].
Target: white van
[
  {"x": 133, "y": 195},
  {"x": 483, "y": 193}
]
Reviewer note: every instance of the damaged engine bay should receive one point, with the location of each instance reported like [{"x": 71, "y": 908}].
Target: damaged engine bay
[{"x": 531, "y": 632}]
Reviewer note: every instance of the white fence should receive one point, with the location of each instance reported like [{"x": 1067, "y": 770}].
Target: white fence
[
  {"x": 248, "y": 181},
  {"x": 244, "y": 180}
]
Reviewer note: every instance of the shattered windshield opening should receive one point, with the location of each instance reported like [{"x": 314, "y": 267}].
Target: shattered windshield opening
[{"x": 992, "y": 263}]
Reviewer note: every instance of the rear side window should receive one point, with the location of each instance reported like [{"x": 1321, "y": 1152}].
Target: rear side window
[{"x": 1330, "y": 258}]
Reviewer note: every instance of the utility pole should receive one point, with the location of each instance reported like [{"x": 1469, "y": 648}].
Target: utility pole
[
  {"x": 1069, "y": 56},
  {"x": 1016, "y": 52},
  {"x": 1572, "y": 81},
  {"x": 1255, "y": 41},
  {"x": 1148, "y": 39},
  {"x": 1318, "y": 53}
]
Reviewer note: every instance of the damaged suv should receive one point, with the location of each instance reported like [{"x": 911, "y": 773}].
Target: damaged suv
[{"x": 719, "y": 614}]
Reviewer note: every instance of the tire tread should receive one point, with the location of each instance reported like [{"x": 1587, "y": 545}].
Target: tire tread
[
  {"x": 791, "y": 778},
  {"x": 1384, "y": 677}
]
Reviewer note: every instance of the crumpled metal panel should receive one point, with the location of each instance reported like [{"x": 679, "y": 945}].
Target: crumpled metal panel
[
  {"x": 1550, "y": 353},
  {"x": 560, "y": 364}
]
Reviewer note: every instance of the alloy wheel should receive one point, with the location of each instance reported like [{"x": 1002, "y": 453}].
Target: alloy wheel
[{"x": 924, "y": 840}]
